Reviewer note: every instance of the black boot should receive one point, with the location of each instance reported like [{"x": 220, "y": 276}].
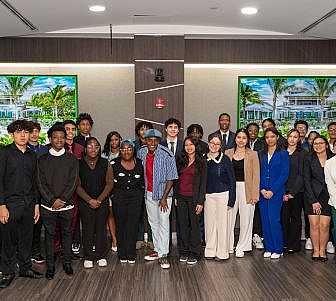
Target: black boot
[
  {"x": 6, "y": 280},
  {"x": 50, "y": 273},
  {"x": 67, "y": 268},
  {"x": 30, "y": 274}
]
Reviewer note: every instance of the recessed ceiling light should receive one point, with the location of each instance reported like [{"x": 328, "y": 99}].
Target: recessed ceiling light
[
  {"x": 249, "y": 10},
  {"x": 97, "y": 8}
]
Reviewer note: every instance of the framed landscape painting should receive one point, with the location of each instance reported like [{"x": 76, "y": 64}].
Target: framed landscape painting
[
  {"x": 287, "y": 99},
  {"x": 42, "y": 98}
]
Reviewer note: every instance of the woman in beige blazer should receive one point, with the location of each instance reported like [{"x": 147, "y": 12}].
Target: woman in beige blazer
[{"x": 246, "y": 167}]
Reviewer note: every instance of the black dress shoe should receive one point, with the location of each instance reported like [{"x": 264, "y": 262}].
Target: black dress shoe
[
  {"x": 30, "y": 274},
  {"x": 6, "y": 280},
  {"x": 50, "y": 274},
  {"x": 314, "y": 258},
  {"x": 323, "y": 259},
  {"x": 68, "y": 268}
]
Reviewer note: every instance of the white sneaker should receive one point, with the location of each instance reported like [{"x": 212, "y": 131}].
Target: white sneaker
[
  {"x": 330, "y": 248},
  {"x": 239, "y": 254},
  {"x": 114, "y": 249},
  {"x": 231, "y": 251},
  {"x": 131, "y": 261},
  {"x": 102, "y": 262},
  {"x": 123, "y": 260},
  {"x": 275, "y": 256},
  {"x": 88, "y": 264},
  {"x": 308, "y": 245},
  {"x": 267, "y": 254},
  {"x": 257, "y": 242}
]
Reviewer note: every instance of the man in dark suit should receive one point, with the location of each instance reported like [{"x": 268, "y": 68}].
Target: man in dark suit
[
  {"x": 175, "y": 145},
  {"x": 224, "y": 121}
]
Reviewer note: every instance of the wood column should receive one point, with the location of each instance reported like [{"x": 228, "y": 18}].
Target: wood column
[{"x": 152, "y": 53}]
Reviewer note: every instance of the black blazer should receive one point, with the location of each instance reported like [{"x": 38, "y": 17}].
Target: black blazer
[
  {"x": 230, "y": 143},
  {"x": 179, "y": 146},
  {"x": 198, "y": 184},
  {"x": 315, "y": 186},
  {"x": 295, "y": 183},
  {"x": 258, "y": 145}
]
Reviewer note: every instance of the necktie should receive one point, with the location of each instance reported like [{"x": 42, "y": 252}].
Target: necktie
[
  {"x": 172, "y": 147},
  {"x": 224, "y": 140}
]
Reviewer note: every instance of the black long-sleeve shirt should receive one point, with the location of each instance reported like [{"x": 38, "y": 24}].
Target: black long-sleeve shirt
[
  {"x": 57, "y": 178},
  {"x": 18, "y": 172}
]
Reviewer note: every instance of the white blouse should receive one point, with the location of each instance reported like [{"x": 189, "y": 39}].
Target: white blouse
[{"x": 330, "y": 178}]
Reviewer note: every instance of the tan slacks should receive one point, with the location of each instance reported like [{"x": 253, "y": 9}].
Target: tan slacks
[
  {"x": 246, "y": 213},
  {"x": 216, "y": 225}
]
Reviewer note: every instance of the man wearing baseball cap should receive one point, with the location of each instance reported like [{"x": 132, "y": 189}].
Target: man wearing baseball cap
[{"x": 160, "y": 172}]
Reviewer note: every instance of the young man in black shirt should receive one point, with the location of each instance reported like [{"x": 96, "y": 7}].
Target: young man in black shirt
[
  {"x": 57, "y": 176},
  {"x": 39, "y": 149},
  {"x": 84, "y": 124},
  {"x": 19, "y": 209}
]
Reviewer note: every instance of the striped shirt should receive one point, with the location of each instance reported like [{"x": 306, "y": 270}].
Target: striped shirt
[{"x": 164, "y": 169}]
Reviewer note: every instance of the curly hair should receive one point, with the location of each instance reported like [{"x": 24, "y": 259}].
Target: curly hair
[
  {"x": 20, "y": 125},
  {"x": 84, "y": 116},
  {"x": 56, "y": 127}
]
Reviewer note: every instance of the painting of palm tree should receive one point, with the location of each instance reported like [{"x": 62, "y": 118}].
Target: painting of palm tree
[
  {"x": 322, "y": 88},
  {"x": 287, "y": 99},
  {"x": 248, "y": 96},
  {"x": 15, "y": 86},
  {"x": 42, "y": 98},
  {"x": 278, "y": 86}
]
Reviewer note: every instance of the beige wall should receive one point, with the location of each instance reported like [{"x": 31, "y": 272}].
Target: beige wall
[
  {"x": 211, "y": 91},
  {"x": 106, "y": 92}
]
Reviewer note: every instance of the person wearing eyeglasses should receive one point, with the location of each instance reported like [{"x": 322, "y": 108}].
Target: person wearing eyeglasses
[
  {"x": 95, "y": 184},
  {"x": 128, "y": 198},
  {"x": 219, "y": 199},
  {"x": 317, "y": 197}
]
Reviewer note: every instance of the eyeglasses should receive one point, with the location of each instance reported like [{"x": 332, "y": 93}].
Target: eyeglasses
[{"x": 126, "y": 149}]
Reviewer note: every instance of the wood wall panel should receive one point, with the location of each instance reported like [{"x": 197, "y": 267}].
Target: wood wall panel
[
  {"x": 145, "y": 108},
  {"x": 261, "y": 51},
  {"x": 159, "y": 48},
  {"x": 84, "y": 50},
  {"x": 173, "y": 73},
  {"x": 66, "y": 50}
]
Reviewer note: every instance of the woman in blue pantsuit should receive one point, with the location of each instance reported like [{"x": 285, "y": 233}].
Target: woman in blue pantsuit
[{"x": 274, "y": 169}]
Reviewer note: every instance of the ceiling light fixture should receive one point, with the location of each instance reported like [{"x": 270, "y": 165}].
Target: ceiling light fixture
[
  {"x": 249, "y": 10},
  {"x": 97, "y": 8}
]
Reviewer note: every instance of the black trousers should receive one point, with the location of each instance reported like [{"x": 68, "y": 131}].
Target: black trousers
[
  {"x": 17, "y": 237},
  {"x": 190, "y": 235},
  {"x": 94, "y": 230},
  {"x": 49, "y": 220},
  {"x": 127, "y": 213},
  {"x": 36, "y": 244},
  {"x": 291, "y": 223},
  {"x": 257, "y": 227}
]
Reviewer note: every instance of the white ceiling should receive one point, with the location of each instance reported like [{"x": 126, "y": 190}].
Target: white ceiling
[{"x": 210, "y": 17}]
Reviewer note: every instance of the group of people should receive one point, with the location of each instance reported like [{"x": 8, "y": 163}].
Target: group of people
[{"x": 75, "y": 188}]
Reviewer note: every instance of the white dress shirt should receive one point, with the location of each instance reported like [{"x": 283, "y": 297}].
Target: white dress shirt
[{"x": 175, "y": 144}]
